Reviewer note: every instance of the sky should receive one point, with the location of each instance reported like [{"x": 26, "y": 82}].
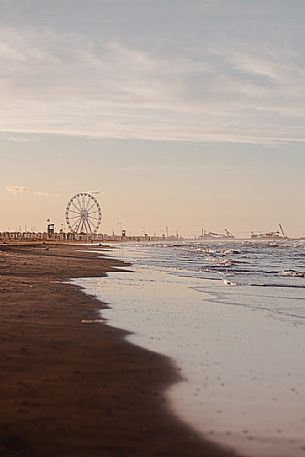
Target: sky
[{"x": 180, "y": 113}]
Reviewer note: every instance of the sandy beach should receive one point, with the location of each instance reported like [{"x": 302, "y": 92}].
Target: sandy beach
[{"x": 70, "y": 386}]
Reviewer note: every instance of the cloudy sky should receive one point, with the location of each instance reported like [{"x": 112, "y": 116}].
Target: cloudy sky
[{"x": 186, "y": 113}]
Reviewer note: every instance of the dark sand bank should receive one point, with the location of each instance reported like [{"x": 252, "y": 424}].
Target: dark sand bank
[{"x": 75, "y": 389}]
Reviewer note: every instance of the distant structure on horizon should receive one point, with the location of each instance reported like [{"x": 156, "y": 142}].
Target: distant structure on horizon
[
  {"x": 277, "y": 235},
  {"x": 86, "y": 238},
  {"x": 215, "y": 236},
  {"x": 83, "y": 214}
]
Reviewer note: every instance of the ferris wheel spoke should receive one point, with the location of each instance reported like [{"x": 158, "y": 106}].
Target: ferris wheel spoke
[
  {"x": 75, "y": 206},
  {"x": 93, "y": 204},
  {"x": 88, "y": 223},
  {"x": 80, "y": 227},
  {"x": 80, "y": 203},
  {"x": 74, "y": 224},
  {"x": 77, "y": 203},
  {"x": 84, "y": 227},
  {"x": 93, "y": 222},
  {"x": 94, "y": 212},
  {"x": 96, "y": 218},
  {"x": 83, "y": 201},
  {"x": 77, "y": 222},
  {"x": 89, "y": 201},
  {"x": 71, "y": 211}
]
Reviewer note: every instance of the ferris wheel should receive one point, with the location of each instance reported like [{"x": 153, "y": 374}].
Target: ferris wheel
[{"x": 83, "y": 214}]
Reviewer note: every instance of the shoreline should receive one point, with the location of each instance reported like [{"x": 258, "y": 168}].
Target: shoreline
[
  {"x": 78, "y": 389},
  {"x": 243, "y": 389}
]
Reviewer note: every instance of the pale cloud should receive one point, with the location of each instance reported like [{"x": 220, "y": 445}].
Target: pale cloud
[
  {"x": 17, "y": 137},
  {"x": 27, "y": 190},
  {"x": 72, "y": 83},
  {"x": 17, "y": 189}
]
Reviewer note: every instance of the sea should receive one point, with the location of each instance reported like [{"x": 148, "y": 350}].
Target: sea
[{"x": 231, "y": 316}]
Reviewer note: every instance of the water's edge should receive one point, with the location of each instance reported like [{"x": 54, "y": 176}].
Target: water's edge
[{"x": 238, "y": 390}]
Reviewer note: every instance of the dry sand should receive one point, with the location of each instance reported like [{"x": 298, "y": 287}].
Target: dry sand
[{"x": 77, "y": 389}]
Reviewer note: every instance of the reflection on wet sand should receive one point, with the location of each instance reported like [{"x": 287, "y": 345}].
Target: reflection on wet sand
[{"x": 240, "y": 349}]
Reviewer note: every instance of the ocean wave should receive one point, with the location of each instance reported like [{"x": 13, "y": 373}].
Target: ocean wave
[
  {"x": 231, "y": 252},
  {"x": 219, "y": 262},
  {"x": 229, "y": 283},
  {"x": 293, "y": 274}
]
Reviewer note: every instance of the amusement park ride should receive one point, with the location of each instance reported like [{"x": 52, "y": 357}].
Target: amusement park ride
[{"x": 83, "y": 214}]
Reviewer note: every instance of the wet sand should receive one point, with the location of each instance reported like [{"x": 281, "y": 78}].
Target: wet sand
[{"x": 70, "y": 387}]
